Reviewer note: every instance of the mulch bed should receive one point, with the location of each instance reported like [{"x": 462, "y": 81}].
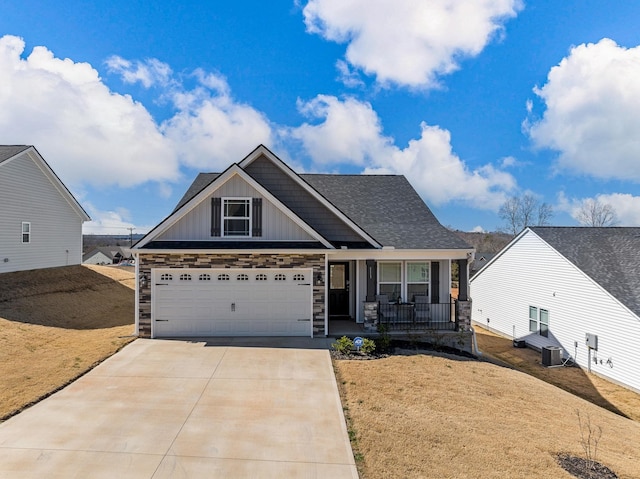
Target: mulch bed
[{"x": 579, "y": 467}]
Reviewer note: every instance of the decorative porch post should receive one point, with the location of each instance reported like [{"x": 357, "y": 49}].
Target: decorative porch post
[
  {"x": 463, "y": 304},
  {"x": 370, "y": 303}
]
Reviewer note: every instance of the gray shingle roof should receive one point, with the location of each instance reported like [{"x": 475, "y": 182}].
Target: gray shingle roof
[
  {"x": 200, "y": 183},
  {"x": 387, "y": 208},
  {"x": 8, "y": 151},
  {"x": 610, "y": 256}
]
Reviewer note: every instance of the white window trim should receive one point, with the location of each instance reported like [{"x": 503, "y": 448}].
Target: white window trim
[
  {"x": 404, "y": 280},
  {"x": 23, "y": 233},
  {"x": 406, "y": 277},
  {"x": 223, "y": 217},
  {"x": 538, "y": 321}
]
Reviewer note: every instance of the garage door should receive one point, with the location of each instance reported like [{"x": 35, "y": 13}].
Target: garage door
[{"x": 232, "y": 302}]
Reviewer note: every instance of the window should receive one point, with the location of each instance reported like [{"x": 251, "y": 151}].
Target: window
[
  {"x": 242, "y": 277},
  {"x": 166, "y": 277},
  {"x": 390, "y": 279},
  {"x": 204, "y": 277},
  {"x": 26, "y": 232},
  {"x": 223, "y": 277},
  {"x": 236, "y": 216},
  {"x": 261, "y": 277},
  {"x": 298, "y": 277},
  {"x": 185, "y": 277},
  {"x": 533, "y": 319},
  {"x": 280, "y": 277},
  {"x": 539, "y": 321},
  {"x": 417, "y": 280}
]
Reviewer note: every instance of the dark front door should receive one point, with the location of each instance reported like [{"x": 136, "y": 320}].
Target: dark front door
[{"x": 338, "y": 289}]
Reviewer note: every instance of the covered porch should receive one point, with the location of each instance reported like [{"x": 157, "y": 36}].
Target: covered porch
[{"x": 397, "y": 293}]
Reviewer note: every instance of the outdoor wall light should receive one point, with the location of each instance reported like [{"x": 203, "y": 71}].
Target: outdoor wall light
[
  {"x": 318, "y": 278},
  {"x": 144, "y": 280}
]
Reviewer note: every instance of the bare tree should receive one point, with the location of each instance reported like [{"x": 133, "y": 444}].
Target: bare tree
[
  {"x": 518, "y": 212},
  {"x": 594, "y": 212}
]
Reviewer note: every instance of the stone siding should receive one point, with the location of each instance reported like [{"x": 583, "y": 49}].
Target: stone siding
[
  {"x": 163, "y": 260},
  {"x": 463, "y": 314}
]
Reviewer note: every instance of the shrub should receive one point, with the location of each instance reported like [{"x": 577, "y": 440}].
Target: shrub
[
  {"x": 368, "y": 346},
  {"x": 343, "y": 345}
]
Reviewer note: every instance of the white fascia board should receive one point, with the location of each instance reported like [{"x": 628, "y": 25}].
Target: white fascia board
[
  {"x": 214, "y": 185},
  {"x": 503, "y": 251},
  {"x": 262, "y": 150},
  {"x": 398, "y": 254},
  {"x": 57, "y": 183}
]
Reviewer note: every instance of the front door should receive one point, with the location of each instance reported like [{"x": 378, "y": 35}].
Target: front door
[{"x": 338, "y": 289}]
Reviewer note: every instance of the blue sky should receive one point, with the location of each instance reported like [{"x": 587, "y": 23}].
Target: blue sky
[{"x": 474, "y": 101}]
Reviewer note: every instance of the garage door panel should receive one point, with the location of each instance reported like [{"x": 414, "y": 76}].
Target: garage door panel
[{"x": 215, "y": 302}]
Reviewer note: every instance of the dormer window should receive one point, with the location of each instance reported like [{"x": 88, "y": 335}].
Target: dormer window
[{"x": 236, "y": 216}]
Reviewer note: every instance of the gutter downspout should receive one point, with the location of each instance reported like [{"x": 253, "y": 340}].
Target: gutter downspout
[{"x": 475, "y": 342}]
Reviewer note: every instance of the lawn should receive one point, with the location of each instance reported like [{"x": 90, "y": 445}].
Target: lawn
[
  {"x": 439, "y": 416},
  {"x": 56, "y": 324}
]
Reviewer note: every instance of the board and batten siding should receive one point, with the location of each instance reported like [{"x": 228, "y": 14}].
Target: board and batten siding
[
  {"x": 196, "y": 224},
  {"x": 531, "y": 273},
  {"x": 27, "y": 195}
]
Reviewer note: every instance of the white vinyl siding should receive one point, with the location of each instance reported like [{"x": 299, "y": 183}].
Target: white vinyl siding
[
  {"x": 55, "y": 228},
  {"x": 196, "y": 225},
  {"x": 531, "y": 273}
]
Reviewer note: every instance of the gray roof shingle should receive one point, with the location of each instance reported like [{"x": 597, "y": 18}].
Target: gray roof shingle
[
  {"x": 8, "y": 151},
  {"x": 385, "y": 206},
  {"x": 610, "y": 256}
]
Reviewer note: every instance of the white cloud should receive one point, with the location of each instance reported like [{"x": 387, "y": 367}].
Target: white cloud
[
  {"x": 592, "y": 101},
  {"x": 149, "y": 72},
  {"x": 409, "y": 42},
  {"x": 478, "y": 229},
  {"x": 113, "y": 222},
  {"x": 89, "y": 134},
  {"x": 625, "y": 206},
  {"x": 211, "y": 130},
  {"x": 351, "y": 133},
  {"x": 94, "y": 136}
]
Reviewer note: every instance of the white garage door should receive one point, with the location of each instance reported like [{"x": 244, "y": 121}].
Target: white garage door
[{"x": 232, "y": 302}]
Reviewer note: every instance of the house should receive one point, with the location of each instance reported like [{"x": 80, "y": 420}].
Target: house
[
  {"x": 40, "y": 220},
  {"x": 573, "y": 288},
  {"x": 262, "y": 250},
  {"x": 479, "y": 261},
  {"x": 107, "y": 255}
]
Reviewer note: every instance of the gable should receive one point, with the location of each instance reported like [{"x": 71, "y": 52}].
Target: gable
[
  {"x": 196, "y": 225},
  {"x": 26, "y": 176}
]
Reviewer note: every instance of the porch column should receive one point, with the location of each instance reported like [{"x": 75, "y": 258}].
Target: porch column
[
  {"x": 372, "y": 275},
  {"x": 463, "y": 280},
  {"x": 435, "y": 282}
]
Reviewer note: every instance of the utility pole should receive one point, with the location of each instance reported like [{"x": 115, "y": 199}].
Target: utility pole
[{"x": 130, "y": 236}]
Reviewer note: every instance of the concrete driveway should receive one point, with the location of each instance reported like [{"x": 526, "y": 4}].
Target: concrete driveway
[{"x": 236, "y": 408}]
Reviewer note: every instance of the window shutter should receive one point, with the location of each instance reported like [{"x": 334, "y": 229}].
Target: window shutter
[
  {"x": 216, "y": 211},
  {"x": 256, "y": 217}
]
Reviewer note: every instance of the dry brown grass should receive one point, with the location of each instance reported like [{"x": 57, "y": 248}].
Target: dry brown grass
[
  {"x": 574, "y": 380},
  {"x": 56, "y": 324},
  {"x": 436, "y": 416}
]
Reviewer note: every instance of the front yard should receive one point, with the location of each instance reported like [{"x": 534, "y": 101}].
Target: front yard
[
  {"x": 421, "y": 415},
  {"x": 56, "y": 324}
]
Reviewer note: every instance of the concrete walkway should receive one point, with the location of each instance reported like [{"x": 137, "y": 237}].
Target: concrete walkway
[{"x": 256, "y": 407}]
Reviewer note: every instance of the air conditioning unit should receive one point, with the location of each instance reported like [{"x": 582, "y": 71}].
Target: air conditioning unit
[{"x": 551, "y": 356}]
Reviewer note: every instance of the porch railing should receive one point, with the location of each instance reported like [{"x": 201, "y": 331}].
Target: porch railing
[{"x": 418, "y": 316}]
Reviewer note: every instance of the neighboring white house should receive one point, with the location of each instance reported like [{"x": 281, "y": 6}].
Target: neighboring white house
[
  {"x": 556, "y": 286},
  {"x": 40, "y": 220},
  {"x": 107, "y": 255}
]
